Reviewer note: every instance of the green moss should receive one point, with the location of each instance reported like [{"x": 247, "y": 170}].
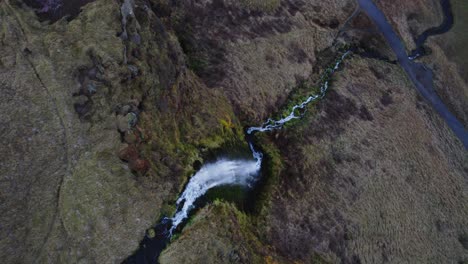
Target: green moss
[
  {"x": 271, "y": 169},
  {"x": 197, "y": 63},
  {"x": 175, "y": 237},
  {"x": 151, "y": 233},
  {"x": 167, "y": 210},
  {"x": 231, "y": 193},
  {"x": 212, "y": 142},
  {"x": 306, "y": 89}
]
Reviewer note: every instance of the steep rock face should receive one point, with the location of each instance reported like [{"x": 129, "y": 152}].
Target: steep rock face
[{"x": 76, "y": 94}]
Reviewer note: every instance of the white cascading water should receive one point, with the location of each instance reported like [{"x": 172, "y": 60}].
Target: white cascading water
[
  {"x": 235, "y": 172},
  {"x": 271, "y": 124},
  {"x": 221, "y": 172}
]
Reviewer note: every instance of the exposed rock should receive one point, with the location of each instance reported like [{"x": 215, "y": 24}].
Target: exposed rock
[
  {"x": 140, "y": 166},
  {"x": 122, "y": 123}
]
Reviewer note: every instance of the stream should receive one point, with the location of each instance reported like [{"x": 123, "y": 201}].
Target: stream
[
  {"x": 246, "y": 172},
  {"x": 444, "y": 27},
  {"x": 419, "y": 75},
  {"x": 222, "y": 172}
]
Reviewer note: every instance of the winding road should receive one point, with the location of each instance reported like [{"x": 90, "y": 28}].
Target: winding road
[
  {"x": 242, "y": 172},
  {"x": 418, "y": 73}
]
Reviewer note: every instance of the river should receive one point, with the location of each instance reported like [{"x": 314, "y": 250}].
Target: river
[
  {"x": 419, "y": 75},
  {"x": 234, "y": 172},
  {"x": 444, "y": 27},
  {"x": 246, "y": 172}
]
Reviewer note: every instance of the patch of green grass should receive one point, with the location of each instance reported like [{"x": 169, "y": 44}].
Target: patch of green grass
[
  {"x": 271, "y": 169},
  {"x": 230, "y": 193}
]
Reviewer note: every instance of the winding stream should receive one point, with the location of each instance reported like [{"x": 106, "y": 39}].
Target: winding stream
[
  {"x": 246, "y": 172},
  {"x": 444, "y": 27},
  {"x": 417, "y": 72},
  {"x": 219, "y": 173},
  {"x": 271, "y": 124}
]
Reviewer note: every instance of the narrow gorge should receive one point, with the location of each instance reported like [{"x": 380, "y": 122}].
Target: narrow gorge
[{"x": 224, "y": 131}]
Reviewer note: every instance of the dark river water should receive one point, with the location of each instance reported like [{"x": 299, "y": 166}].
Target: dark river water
[
  {"x": 446, "y": 25},
  {"x": 216, "y": 174},
  {"x": 417, "y": 72}
]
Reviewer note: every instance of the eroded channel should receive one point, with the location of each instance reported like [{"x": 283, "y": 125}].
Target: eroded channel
[{"x": 224, "y": 172}]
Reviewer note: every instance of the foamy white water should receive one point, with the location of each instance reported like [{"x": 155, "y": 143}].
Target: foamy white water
[
  {"x": 236, "y": 172},
  {"x": 271, "y": 124},
  {"x": 221, "y": 172}
]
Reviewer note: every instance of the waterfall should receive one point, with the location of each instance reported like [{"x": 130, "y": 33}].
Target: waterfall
[
  {"x": 221, "y": 172},
  {"x": 244, "y": 172},
  {"x": 239, "y": 172}
]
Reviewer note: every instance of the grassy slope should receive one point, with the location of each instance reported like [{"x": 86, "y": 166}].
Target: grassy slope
[
  {"x": 89, "y": 201},
  {"x": 458, "y": 51},
  {"x": 369, "y": 186}
]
